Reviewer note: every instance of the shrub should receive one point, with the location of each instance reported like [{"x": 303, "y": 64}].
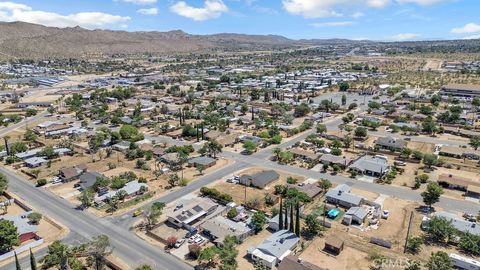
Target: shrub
[{"x": 41, "y": 182}]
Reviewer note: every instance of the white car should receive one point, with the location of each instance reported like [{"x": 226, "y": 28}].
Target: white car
[{"x": 179, "y": 242}]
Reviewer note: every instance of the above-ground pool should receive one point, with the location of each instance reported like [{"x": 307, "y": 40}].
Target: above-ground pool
[{"x": 333, "y": 213}]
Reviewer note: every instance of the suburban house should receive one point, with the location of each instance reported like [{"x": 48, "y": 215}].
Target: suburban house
[
  {"x": 71, "y": 173},
  {"x": 26, "y": 230},
  {"x": 391, "y": 143},
  {"x": 459, "y": 223},
  {"x": 312, "y": 190},
  {"x": 273, "y": 223},
  {"x": 198, "y": 209},
  {"x": 122, "y": 146},
  {"x": 355, "y": 215},
  {"x": 87, "y": 179},
  {"x": 28, "y": 154},
  {"x": 132, "y": 189},
  {"x": 202, "y": 161},
  {"x": 35, "y": 162},
  {"x": 219, "y": 227},
  {"x": 370, "y": 166},
  {"x": 259, "y": 180},
  {"x": 295, "y": 263},
  {"x": 340, "y": 195},
  {"x": 460, "y": 90},
  {"x": 304, "y": 155},
  {"x": 332, "y": 159},
  {"x": 273, "y": 249},
  {"x": 459, "y": 152},
  {"x": 256, "y": 140},
  {"x": 460, "y": 183}
]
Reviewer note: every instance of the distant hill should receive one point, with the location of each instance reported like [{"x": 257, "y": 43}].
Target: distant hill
[{"x": 25, "y": 40}]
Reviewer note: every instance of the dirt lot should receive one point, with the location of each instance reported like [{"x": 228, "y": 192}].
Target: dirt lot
[
  {"x": 252, "y": 241},
  {"x": 350, "y": 258},
  {"x": 237, "y": 191}
]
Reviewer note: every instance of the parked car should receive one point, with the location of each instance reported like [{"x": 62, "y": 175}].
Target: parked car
[
  {"x": 137, "y": 213},
  {"x": 400, "y": 163},
  {"x": 385, "y": 214},
  {"x": 179, "y": 242}
]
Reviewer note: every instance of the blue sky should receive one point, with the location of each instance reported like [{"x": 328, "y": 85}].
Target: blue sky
[{"x": 353, "y": 19}]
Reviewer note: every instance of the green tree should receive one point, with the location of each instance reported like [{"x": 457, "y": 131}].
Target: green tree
[
  {"x": 86, "y": 198},
  {"x": 228, "y": 253},
  {"x": 321, "y": 128},
  {"x": 344, "y": 100},
  {"x": 8, "y": 235},
  {"x": 152, "y": 215},
  {"x": 17, "y": 263},
  {"x": 302, "y": 110},
  {"x": 128, "y": 132},
  {"x": 360, "y": 132},
  {"x": 324, "y": 184},
  {"x": 432, "y": 194},
  {"x": 414, "y": 244},
  {"x": 297, "y": 219},
  {"x": 57, "y": 252},
  {"x": 439, "y": 261},
  {"x": 475, "y": 142},
  {"x": 34, "y": 217},
  {"x": 232, "y": 213},
  {"x": 470, "y": 244},
  {"x": 207, "y": 257},
  {"x": 258, "y": 221},
  {"x": 249, "y": 146},
  {"x": 312, "y": 226},
  {"x": 173, "y": 180},
  {"x": 211, "y": 148},
  {"x": 30, "y": 135},
  {"x": 430, "y": 160},
  {"x": 439, "y": 229},
  {"x": 3, "y": 183},
  {"x": 33, "y": 261},
  {"x": 144, "y": 267},
  {"x": 98, "y": 249}
]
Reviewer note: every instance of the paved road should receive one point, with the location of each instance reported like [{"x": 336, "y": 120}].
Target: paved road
[
  {"x": 393, "y": 191},
  {"x": 10, "y": 128},
  {"x": 84, "y": 225}
]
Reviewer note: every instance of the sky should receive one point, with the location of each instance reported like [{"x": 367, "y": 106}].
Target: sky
[{"x": 386, "y": 20}]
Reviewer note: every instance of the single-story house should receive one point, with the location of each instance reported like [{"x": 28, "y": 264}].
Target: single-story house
[
  {"x": 312, "y": 190},
  {"x": 370, "y": 166},
  {"x": 459, "y": 223},
  {"x": 219, "y": 227},
  {"x": 35, "y": 162},
  {"x": 295, "y": 263},
  {"x": 332, "y": 159},
  {"x": 87, "y": 179},
  {"x": 273, "y": 249},
  {"x": 71, "y": 173},
  {"x": 202, "y": 161},
  {"x": 355, "y": 215},
  {"x": 274, "y": 224},
  {"x": 132, "y": 189},
  {"x": 26, "y": 231},
  {"x": 305, "y": 155},
  {"x": 259, "y": 180},
  {"x": 187, "y": 216},
  {"x": 340, "y": 195},
  {"x": 459, "y": 152},
  {"x": 28, "y": 154},
  {"x": 391, "y": 143},
  {"x": 122, "y": 146},
  {"x": 457, "y": 182}
]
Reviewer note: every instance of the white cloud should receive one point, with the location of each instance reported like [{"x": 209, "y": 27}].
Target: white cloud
[
  {"x": 139, "y": 2},
  {"x": 18, "y": 12},
  {"x": 333, "y": 24},
  {"x": 325, "y": 8},
  {"x": 467, "y": 28},
  {"x": 420, "y": 2},
  {"x": 404, "y": 37},
  {"x": 358, "y": 14},
  {"x": 148, "y": 11},
  {"x": 211, "y": 9}
]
